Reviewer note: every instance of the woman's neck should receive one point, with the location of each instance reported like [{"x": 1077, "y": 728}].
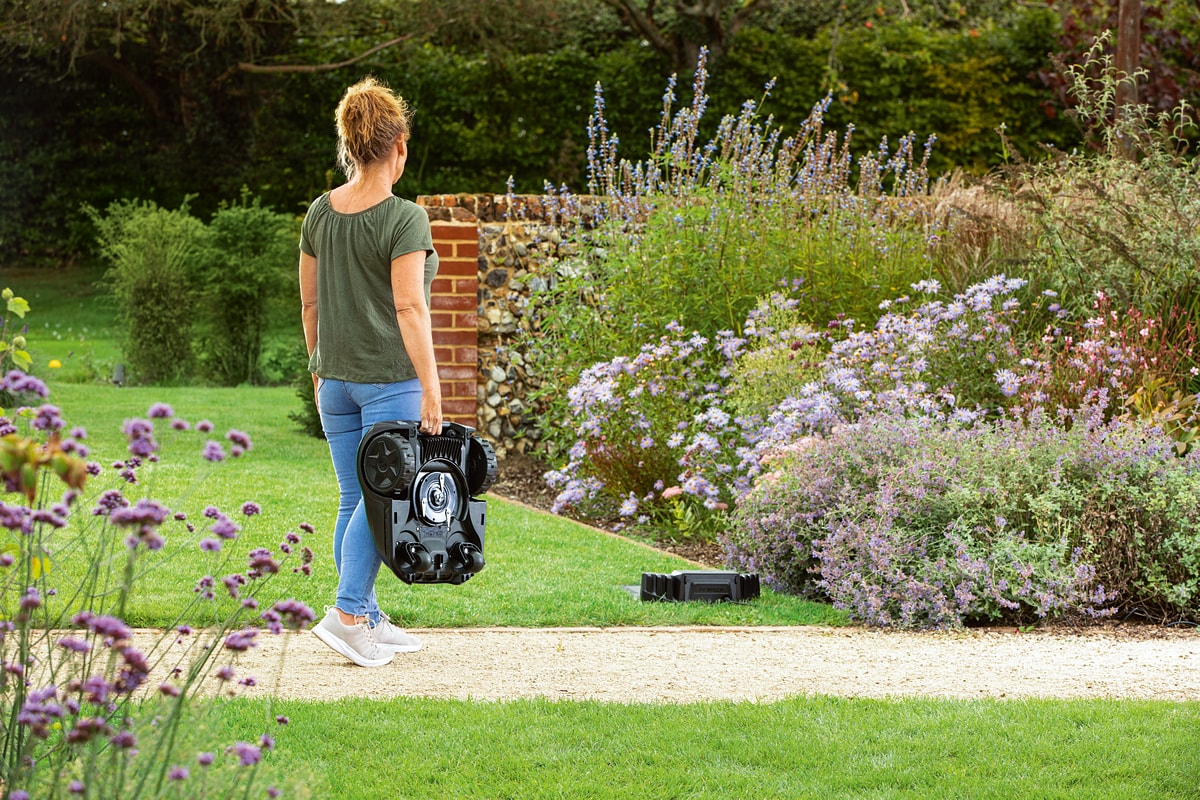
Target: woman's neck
[{"x": 369, "y": 187}]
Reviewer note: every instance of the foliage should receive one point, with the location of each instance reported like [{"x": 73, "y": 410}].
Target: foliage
[
  {"x": 195, "y": 296},
  {"x": 899, "y": 74},
  {"x": 13, "y": 354},
  {"x": 697, "y": 231},
  {"x": 913, "y": 523},
  {"x": 780, "y": 352},
  {"x": 1169, "y": 39},
  {"x": 77, "y": 711},
  {"x": 152, "y": 252},
  {"x": 1122, "y": 219},
  {"x": 645, "y": 437},
  {"x": 309, "y": 416},
  {"x": 247, "y": 258},
  {"x": 497, "y": 89}
]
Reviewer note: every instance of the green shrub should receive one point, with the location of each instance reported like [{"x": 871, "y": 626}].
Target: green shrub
[
  {"x": 249, "y": 257},
  {"x": 783, "y": 354},
  {"x": 152, "y": 253}
]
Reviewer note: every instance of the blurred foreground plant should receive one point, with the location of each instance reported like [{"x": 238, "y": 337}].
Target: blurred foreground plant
[{"x": 89, "y": 707}]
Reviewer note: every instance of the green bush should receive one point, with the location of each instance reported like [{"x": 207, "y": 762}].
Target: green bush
[
  {"x": 197, "y": 300},
  {"x": 783, "y": 354},
  {"x": 152, "y": 253},
  {"x": 248, "y": 257}
]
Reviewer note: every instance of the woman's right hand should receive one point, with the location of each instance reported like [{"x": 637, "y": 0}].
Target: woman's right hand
[{"x": 431, "y": 414}]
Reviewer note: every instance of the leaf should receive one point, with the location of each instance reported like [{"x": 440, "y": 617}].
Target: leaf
[
  {"x": 28, "y": 481},
  {"x": 18, "y": 306},
  {"x": 39, "y": 566},
  {"x": 22, "y": 359}
]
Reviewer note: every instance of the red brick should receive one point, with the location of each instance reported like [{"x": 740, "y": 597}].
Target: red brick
[
  {"x": 460, "y": 408},
  {"x": 466, "y": 250},
  {"x": 463, "y": 389},
  {"x": 470, "y": 320},
  {"x": 443, "y": 321},
  {"x": 452, "y": 372},
  {"x": 453, "y": 302},
  {"x": 452, "y": 337},
  {"x": 450, "y": 268},
  {"x": 455, "y": 231},
  {"x": 466, "y": 355}
]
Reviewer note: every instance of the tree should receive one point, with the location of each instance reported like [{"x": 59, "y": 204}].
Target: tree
[{"x": 687, "y": 26}]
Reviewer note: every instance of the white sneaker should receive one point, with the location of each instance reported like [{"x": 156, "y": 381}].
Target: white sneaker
[
  {"x": 389, "y": 637},
  {"x": 355, "y": 642}
]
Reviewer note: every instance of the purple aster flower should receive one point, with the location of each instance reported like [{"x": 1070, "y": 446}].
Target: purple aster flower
[
  {"x": 241, "y": 641},
  {"x": 48, "y": 418},
  {"x": 261, "y": 561},
  {"x": 204, "y": 759},
  {"x": 18, "y": 382},
  {"x": 31, "y": 599},
  {"x": 210, "y": 545},
  {"x": 204, "y": 426},
  {"x": 213, "y": 451},
  {"x": 247, "y": 754},
  {"x": 239, "y": 439},
  {"x": 160, "y": 411},
  {"x": 250, "y": 509},
  {"x": 225, "y": 528},
  {"x": 177, "y": 773},
  {"x": 125, "y": 740},
  {"x": 74, "y": 645}
]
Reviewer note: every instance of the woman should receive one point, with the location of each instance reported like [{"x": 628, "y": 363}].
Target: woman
[{"x": 366, "y": 265}]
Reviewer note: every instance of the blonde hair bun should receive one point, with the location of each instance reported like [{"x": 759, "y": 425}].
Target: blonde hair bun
[{"x": 370, "y": 118}]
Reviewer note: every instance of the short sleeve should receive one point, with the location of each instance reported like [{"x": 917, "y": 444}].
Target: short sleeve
[
  {"x": 412, "y": 232},
  {"x": 308, "y": 229}
]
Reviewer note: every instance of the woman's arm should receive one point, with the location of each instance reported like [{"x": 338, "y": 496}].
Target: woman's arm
[
  {"x": 416, "y": 328},
  {"x": 308, "y": 304}
]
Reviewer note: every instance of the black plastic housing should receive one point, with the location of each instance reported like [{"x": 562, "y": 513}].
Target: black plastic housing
[
  {"x": 421, "y": 494},
  {"x": 709, "y": 586}
]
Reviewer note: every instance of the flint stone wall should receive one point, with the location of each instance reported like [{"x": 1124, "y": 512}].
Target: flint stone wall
[{"x": 518, "y": 249}]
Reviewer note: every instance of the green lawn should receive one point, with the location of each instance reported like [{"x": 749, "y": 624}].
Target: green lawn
[
  {"x": 816, "y": 747},
  {"x": 541, "y": 570}
]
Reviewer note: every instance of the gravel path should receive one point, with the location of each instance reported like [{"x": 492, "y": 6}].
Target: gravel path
[{"x": 695, "y": 664}]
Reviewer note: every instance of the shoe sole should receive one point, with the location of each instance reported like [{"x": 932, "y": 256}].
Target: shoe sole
[
  {"x": 399, "y": 648},
  {"x": 349, "y": 652}
]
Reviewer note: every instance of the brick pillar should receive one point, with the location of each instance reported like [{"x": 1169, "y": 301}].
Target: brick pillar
[{"x": 453, "y": 305}]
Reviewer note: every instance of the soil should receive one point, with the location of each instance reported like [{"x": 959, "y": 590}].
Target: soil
[{"x": 694, "y": 664}]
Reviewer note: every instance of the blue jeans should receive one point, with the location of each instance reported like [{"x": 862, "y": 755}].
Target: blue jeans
[{"x": 348, "y": 410}]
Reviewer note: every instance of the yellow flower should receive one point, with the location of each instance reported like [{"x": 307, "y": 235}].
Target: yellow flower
[{"x": 55, "y": 363}]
